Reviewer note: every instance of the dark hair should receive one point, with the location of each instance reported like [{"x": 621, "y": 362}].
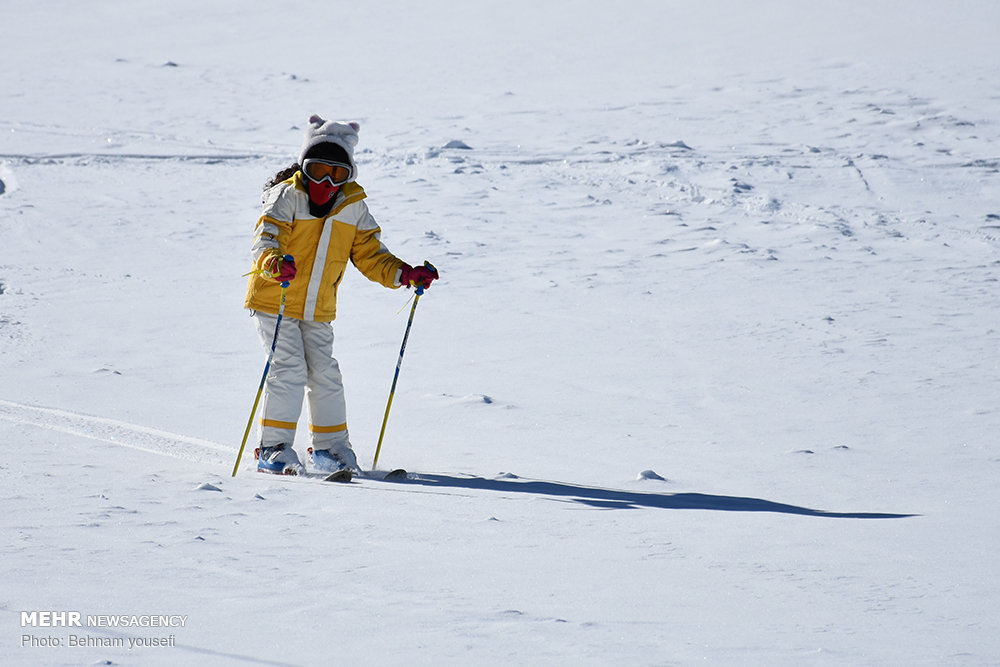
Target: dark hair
[
  {"x": 328, "y": 151},
  {"x": 282, "y": 175}
]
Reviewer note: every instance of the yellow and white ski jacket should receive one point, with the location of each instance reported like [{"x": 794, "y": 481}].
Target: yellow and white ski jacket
[{"x": 321, "y": 248}]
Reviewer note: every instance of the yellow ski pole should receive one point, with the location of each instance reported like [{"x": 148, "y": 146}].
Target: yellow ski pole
[
  {"x": 267, "y": 367},
  {"x": 392, "y": 391}
]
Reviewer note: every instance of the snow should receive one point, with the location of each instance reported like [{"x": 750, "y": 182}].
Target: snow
[{"x": 709, "y": 377}]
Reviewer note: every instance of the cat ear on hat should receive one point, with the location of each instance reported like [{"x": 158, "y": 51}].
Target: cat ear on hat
[{"x": 318, "y": 120}]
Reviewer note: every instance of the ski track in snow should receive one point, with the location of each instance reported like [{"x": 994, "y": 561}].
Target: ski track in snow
[{"x": 116, "y": 432}]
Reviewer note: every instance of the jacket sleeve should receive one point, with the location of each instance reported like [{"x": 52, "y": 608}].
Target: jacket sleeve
[
  {"x": 371, "y": 256},
  {"x": 274, "y": 226}
]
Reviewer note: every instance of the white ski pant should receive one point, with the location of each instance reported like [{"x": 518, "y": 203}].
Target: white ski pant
[{"x": 303, "y": 363}]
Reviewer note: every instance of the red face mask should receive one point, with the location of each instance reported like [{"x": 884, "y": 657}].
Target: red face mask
[{"x": 322, "y": 193}]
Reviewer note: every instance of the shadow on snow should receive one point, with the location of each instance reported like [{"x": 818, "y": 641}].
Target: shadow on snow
[{"x": 619, "y": 499}]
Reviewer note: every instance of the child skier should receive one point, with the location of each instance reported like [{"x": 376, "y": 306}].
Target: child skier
[{"x": 314, "y": 212}]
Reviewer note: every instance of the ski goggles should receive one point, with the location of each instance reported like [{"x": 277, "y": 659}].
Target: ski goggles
[{"x": 318, "y": 171}]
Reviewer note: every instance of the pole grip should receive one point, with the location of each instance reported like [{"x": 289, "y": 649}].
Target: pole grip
[
  {"x": 286, "y": 258},
  {"x": 420, "y": 288}
]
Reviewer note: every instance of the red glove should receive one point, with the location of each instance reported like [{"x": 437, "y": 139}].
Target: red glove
[
  {"x": 418, "y": 276},
  {"x": 283, "y": 269}
]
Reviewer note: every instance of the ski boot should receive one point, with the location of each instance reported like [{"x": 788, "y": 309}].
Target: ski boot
[
  {"x": 340, "y": 462},
  {"x": 277, "y": 460}
]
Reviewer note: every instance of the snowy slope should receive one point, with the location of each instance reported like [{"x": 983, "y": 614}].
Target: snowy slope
[{"x": 752, "y": 247}]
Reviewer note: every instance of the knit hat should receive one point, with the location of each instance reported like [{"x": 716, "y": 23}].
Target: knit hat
[{"x": 340, "y": 134}]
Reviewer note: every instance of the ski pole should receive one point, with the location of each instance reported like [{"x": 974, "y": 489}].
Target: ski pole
[
  {"x": 267, "y": 367},
  {"x": 418, "y": 292}
]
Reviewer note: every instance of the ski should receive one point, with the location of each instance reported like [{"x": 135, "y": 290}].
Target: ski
[
  {"x": 342, "y": 476},
  {"x": 394, "y": 475},
  {"x": 346, "y": 475}
]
